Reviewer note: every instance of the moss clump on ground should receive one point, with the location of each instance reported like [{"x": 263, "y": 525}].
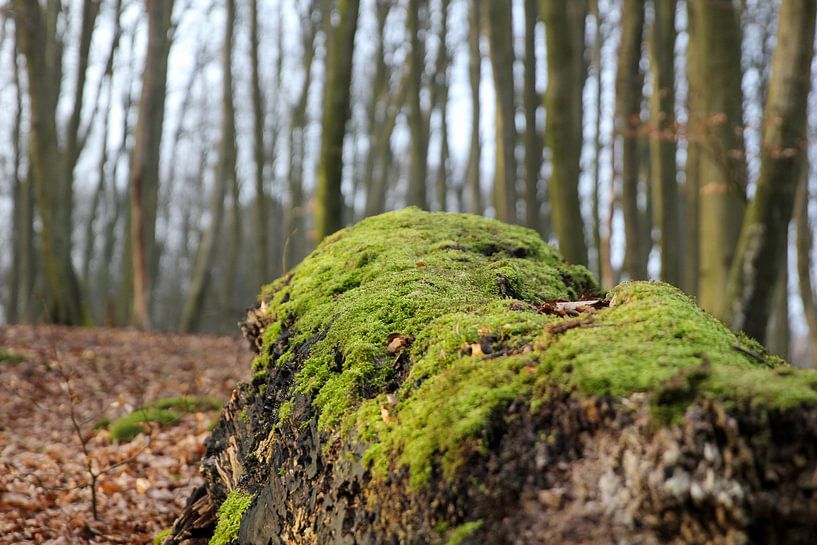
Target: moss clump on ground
[
  {"x": 160, "y": 536},
  {"x": 161, "y": 412},
  {"x": 463, "y": 295},
  {"x": 229, "y": 517},
  {"x": 10, "y": 357},
  {"x": 131, "y": 425}
]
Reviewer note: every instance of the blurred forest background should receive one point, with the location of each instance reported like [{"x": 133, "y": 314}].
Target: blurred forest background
[{"x": 164, "y": 158}]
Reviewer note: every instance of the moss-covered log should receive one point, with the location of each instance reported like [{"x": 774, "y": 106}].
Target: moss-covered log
[{"x": 444, "y": 378}]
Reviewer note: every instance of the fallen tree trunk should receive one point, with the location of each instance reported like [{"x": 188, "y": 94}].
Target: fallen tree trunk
[{"x": 444, "y": 378}]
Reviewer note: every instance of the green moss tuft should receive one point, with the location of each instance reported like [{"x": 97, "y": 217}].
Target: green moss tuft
[
  {"x": 11, "y": 358},
  {"x": 285, "y": 410},
  {"x": 131, "y": 425},
  {"x": 463, "y": 531},
  {"x": 464, "y": 294},
  {"x": 229, "y": 517},
  {"x": 162, "y": 412},
  {"x": 161, "y": 535}
]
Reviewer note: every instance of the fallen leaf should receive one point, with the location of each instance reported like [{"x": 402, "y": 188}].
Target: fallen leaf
[
  {"x": 397, "y": 342},
  {"x": 142, "y": 485},
  {"x": 385, "y": 412}
]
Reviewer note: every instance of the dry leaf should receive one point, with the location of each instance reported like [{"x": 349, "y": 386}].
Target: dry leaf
[
  {"x": 385, "y": 412},
  {"x": 397, "y": 342}
]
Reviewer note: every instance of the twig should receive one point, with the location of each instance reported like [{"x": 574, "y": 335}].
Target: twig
[{"x": 752, "y": 354}]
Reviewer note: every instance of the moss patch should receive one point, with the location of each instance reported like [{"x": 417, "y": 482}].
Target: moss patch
[
  {"x": 131, "y": 425},
  {"x": 463, "y": 295},
  {"x": 10, "y": 357},
  {"x": 463, "y": 531},
  {"x": 161, "y": 535},
  {"x": 229, "y": 517},
  {"x": 161, "y": 412}
]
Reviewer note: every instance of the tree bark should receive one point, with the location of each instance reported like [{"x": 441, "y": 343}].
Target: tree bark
[
  {"x": 377, "y": 109},
  {"x": 717, "y": 117},
  {"x": 144, "y": 179},
  {"x": 628, "y": 128},
  {"x": 191, "y": 315},
  {"x": 764, "y": 235},
  {"x": 20, "y": 193},
  {"x": 532, "y": 138},
  {"x": 54, "y": 186},
  {"x": 778, "y": 332},
  {"x": 296, "y": 245},
  {"x": 474, "y": 79},
  {"x": 805, "y": 246},
  {"x": 260, "y": 228},
  {"x": 336, "y": 110},
  {"x": 690, "y": 194},
  {"x": 602, "y": 255},
  {"x": 440, "y": 94},
  {"x": 564, "y": 22},
  {"x": 500, "y": 37},
  {"x": 418, "y": 166},
  {"x": 662, "y": 138}
]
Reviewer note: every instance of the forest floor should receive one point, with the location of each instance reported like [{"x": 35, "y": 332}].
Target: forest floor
[{"x": 58, "y": 388}]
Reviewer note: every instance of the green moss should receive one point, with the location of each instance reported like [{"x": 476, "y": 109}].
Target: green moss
[
  {"x": 10, "y": 357},
  {"x": 102, "y": 423},
  {"x": 463, "y": 531},
  {"x": 229, "y": 517},
  {"x": 131, "y": 425},
  {"x": 160, "y": 536},
  {"x": 188, "y": 404},
  {"x": 162, "y": 412},
  {"x": 285, "y": 410},
  {"x": 464, "y": 292}
]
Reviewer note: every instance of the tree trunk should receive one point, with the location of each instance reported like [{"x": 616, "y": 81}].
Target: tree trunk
[
  {"x": 602, "y": 255},
  {"x": 54, "y": 188},
  {"x": 336, "y": 111},
  {"x": 295, "y": 246},
  {"x": 99, "y": 193},
  {"x": 377, "y": 110},
  {"x": 628, "y": 128},
  {"x": 474, "y": 79},
  {"x": 662, "y": 139},
  {"x": 383, "y": 150},
  {"x": 144, "y": 179},
  {"x": 500, "y": 37},
  {"x": 717, "y": 99},
  {"x": 20, "y": 192},
  {"x": 691, "y": 189},
  {"x": 533, "y": 140},
  {"x": 764, "y": 235},
  {"x": 778, "y": 331},
  {"x": 260, "y": 228},
  {"x": 805, "y": 245},
  {"x": 564, "y": 22},
  {"x": 440, "y": 95},
  {"x": 416, "y": 118},
  {"x": 200, "y": 280}
]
